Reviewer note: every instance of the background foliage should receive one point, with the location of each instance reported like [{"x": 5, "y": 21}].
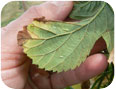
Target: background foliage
[{"x": 14, "y": 9}]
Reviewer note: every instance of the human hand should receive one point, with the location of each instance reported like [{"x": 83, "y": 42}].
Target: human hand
[{"x": 16, "y": 67}]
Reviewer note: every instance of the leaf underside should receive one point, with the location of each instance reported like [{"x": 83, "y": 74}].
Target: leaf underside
[{"x": 61, "y": 46}]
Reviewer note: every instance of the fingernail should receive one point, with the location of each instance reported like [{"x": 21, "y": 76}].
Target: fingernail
[{"x": 35, "y": 75}]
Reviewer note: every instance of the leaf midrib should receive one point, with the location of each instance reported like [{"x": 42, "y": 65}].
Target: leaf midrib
[{"x": 94, "y": 17}]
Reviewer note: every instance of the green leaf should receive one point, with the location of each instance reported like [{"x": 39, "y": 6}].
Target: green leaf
[
  {"x": 85, "y": 9},
  {"x": 61, "y": 46}
]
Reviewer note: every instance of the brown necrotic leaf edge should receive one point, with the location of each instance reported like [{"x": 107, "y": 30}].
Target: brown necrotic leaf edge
[{"x": 22, "y": 36}]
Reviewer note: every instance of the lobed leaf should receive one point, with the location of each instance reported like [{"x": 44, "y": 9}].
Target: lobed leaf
[{"x": 61, "y": 46}]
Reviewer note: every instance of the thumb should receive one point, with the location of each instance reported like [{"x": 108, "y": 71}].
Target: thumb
[
  {"x": 58, "y": 10},
  {"x": 54, "y": 10}
]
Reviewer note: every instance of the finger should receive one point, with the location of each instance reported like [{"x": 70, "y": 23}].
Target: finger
[
  {"x": 99, "y": 46},
  {"x": 16, "y": 77},
  {"x": 58, "y": 10},
  {"x": 39, "y": 78},
  {"x": 12, "y": 60},
  {"x": 94, "y": 65}
]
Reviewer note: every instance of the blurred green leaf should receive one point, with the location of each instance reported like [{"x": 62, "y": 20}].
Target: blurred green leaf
[{"x": 14, "y": 9}]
